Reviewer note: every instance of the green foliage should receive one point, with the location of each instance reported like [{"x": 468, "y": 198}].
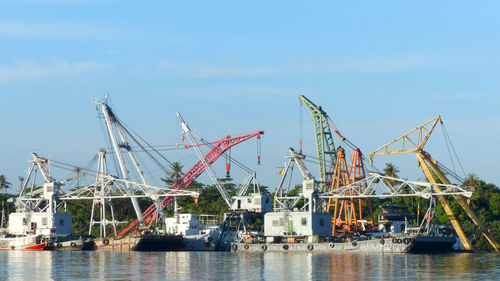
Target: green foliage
[
  {"x": 8, "y": 207},
  {"x": 81, "y": 212},
  {"x": 485, "y": 202},
  {"x": 210, "y": 201}
]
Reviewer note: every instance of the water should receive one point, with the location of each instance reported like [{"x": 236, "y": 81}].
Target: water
[{"x": 77, "y": 265}]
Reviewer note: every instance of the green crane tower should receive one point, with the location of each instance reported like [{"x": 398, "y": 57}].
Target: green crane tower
[{"x": 324, "y": 142}]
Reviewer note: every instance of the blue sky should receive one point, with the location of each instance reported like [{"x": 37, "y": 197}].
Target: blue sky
[{"x": 379, "y": 68}]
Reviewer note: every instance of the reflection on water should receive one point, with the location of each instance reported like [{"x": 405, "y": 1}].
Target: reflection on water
[{"x": 15, "y": 265}]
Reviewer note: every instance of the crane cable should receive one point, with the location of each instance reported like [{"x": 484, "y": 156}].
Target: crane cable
[
  {"x": 301, "y": 121},
  {"x": 227, "y": 154},
  {"x": 128, "y": 130},
  {"x": 349, "y": 144},
  {"x": 259, "y": 149},
  {"x": 450, "y": 144}
]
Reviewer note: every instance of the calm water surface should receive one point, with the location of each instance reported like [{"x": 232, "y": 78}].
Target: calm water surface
[{"x": 18, "y": 265}]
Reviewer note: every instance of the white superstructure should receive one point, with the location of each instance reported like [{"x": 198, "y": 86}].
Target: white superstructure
[
  {"x": 182, "y": 224},
  {"x": 37, "y": 208}
]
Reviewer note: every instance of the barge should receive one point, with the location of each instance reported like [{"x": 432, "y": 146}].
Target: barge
[{"x": 418, "y": 244}]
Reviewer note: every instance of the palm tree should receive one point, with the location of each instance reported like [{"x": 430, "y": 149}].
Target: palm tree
[
  {"x": 175, "y": 174},
  {"x": 21, "y": 181},
  {"x": 472, "y": 180},
  {"x": 4, "y": 183},
  {"x": 391, "y": 170}
]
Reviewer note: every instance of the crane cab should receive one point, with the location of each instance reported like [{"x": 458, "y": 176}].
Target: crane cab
[{"x": 253, "y": 202}]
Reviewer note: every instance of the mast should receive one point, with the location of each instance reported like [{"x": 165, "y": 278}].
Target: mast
[
  {"x": 2, "y": 222},
  {"x": 109, "y": 118},
  {"x": 99, "y": 201}
]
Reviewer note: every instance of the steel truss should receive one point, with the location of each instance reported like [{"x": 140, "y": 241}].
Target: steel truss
[
  {"x": 380, "y": 186},
  {"x": 120, "y": 188}
]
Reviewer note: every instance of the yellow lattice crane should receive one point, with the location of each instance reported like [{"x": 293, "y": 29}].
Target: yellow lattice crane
[{"x": 414, "y": 142}]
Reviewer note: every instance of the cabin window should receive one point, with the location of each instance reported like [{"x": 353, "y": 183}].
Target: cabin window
[
  {"x": 61, "y": 222},
  {"x": 44, "y": 221},
  {"x": 249, "y": 200},
  {"x": 321, "y": 222},
  {"x": 275, "y": 223},
  {"x": 304, "y": 221}
]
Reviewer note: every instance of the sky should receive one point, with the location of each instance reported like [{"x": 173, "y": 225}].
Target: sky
[{"x": 378, "y": 68}]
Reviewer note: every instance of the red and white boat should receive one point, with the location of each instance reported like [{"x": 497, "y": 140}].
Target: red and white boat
[{"x": 28, "y": 243}]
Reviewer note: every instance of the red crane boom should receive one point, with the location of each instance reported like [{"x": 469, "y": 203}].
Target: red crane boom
[{"x": 217, "y": 150}]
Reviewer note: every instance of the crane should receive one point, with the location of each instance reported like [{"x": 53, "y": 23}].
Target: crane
[
  {"x": 255, "y": 203},
  {"x": 49, "y": 193},
  {"x": 310, "y": 187},
  {"x": 114, "y": 128},
  {"x": 338, "y": 174},
  {"x": 324, "y": 142},
  {"x": 344, "y": 216},
  {"x": 37, "y": 208},
  {"x": 218, "y": 149},
  {"x": 414, "y": 142}
]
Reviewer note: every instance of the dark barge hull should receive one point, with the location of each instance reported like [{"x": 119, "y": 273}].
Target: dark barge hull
[
  {"x": 159, "y": 243},
  {"x": 432, "y": 244}
]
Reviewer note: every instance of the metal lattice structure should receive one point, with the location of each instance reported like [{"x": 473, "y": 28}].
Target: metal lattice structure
[
  {"x": 39, "y": 199},
  {"x": 116, "y": 129},
  {"x": 344, "y": 213},
  {"x": 357, "y": 173},
  {"x": 411, "y": 142},
  {"x": 324, "y": 142},
  {"x": 380, "y": 186},
  {"x": 375, "y": 185},
  {"x": 283, "y": 201},
  {"x": 120, "y": 188},
  {"x": 414, "y": 142}
]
